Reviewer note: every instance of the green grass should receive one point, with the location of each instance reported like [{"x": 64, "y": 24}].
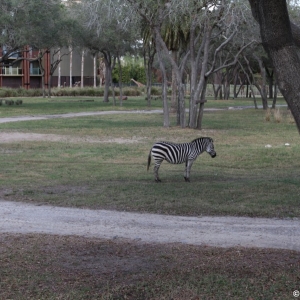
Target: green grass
[{"x": 100, "y": 162}]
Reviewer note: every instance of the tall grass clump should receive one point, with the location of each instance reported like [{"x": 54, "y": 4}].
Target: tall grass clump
[
  {"x": 290, "y": 118},
  {"x": 268, "y": 115},
  {"x": 273, "y": 114},
  {"x": 277, "y": 116}
]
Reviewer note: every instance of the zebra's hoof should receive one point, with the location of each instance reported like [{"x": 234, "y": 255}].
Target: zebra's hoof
[
  {"x": 157, "y": 180},
  {"x": 186, "y": 179}
]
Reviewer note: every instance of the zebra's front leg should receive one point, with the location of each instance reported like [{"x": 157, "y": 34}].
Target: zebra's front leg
[{"x": 188, "y": 165}]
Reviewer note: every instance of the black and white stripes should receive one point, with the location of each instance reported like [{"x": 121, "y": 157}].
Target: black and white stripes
[{"x": 180, "y": 153}]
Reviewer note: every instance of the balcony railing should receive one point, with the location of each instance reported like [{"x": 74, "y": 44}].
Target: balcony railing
[
  {"x": 12, "y": 71},
  {"x": 19, "y": 71}
]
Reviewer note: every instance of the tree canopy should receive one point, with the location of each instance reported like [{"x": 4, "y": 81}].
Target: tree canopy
[{"x": 201, "y": 41}]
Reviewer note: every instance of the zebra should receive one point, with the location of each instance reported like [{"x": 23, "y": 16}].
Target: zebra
[{"x": 180, "y": 153}]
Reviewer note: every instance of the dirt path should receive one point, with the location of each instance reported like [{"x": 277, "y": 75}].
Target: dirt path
[
  {"x": 85, "y": 114},
  {"x": 18, "y": 217},
  {"x": 74, "y": 115}
]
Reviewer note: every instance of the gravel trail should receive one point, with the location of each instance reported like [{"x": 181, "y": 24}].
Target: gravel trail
[{"x": 16, "y": 217}]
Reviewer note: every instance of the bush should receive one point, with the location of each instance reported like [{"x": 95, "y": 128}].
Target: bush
[{"x": 132, "y": 91}]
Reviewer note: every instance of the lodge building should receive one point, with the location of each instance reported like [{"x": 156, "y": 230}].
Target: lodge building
[{"x": 27, "y": 74}]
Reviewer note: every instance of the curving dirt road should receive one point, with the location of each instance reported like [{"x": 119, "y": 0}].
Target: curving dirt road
[{"x": 18, "y": 217}]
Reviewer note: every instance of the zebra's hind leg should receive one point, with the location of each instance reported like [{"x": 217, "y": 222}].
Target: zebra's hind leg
[{"x": 156, "y": 168}]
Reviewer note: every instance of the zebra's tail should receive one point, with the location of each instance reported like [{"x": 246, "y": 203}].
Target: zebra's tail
[{"x": 149, "y": 160}]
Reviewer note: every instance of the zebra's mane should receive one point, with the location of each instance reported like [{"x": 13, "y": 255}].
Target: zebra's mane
[{"x": 202, "y": 138}]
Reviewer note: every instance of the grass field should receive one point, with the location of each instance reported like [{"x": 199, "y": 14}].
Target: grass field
[
  {"x": 58, "y": 105},
  {"x": 100, "y": 162}
]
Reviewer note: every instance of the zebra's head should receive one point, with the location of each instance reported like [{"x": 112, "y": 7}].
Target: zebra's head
[{"x": 210, "y": 149}]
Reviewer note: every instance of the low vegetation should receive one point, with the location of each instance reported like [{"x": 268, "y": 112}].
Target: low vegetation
[{"x": 73, "y": 92}]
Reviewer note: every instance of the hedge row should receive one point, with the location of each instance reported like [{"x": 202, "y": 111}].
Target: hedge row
[{"x": 76, "y": 91}]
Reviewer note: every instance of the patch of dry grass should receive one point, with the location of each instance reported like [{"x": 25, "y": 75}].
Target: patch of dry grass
[
  {"x": 290, "y": 118},
  {"x": 268, "y": 115},
  {"x": 279, "y": 116},
  {"x": 59, "y": 267}
]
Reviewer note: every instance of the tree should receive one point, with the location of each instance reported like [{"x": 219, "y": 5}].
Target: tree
[
  {"x": 13, "y": 27},
  {"x": 212, "y": 50},
  {"x": 281, "y": 40},
  {"x": 39, "y": 24},
  {"x": 149, "y": 51},
  {"x": 56, "y": 58},
  {"x": 200, "y": 32},
  {"x": 104, "y": 29}
]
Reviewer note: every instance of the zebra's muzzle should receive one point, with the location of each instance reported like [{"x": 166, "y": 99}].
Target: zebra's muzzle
[{"x": 213, "y": 155}]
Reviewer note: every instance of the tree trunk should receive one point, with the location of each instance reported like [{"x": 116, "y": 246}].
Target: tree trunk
[
  {"x": 174, "y": 85},
  {"x": 106, "y": 84},
  {"x": 82, "y": 69},
  {"x": 111, "y": 80},
  {"x": 40, "y": 60},
  {"x": 235, "y": 90},
  {"x": 108, "y": 67},
  {"x": 166, "y": 122},
  {"x": 148, "y": 62},
  {"x": 201, "y": 108},
  {"x": 49, "y": 85},
  {"x": 253, "y": 95},
  {"x": 217, "y": 91},
  {"x": 95, "y": 70},
  {"x": 120, "y": 80},
  {"x": 226, "y": 86},
  {"x": 274, "y": 95},
  {"x": 200, "y": 86},
  {"x": 59, "y": 71},
  {"x": 149, "y": 84},
  {"x": 270, "y": 78},
  {"x": 181, "y": 103},
  {"x": 71, "y": 65},
  {"x": 263, "y": 88},
  {"x": 278, "y": 41}
]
